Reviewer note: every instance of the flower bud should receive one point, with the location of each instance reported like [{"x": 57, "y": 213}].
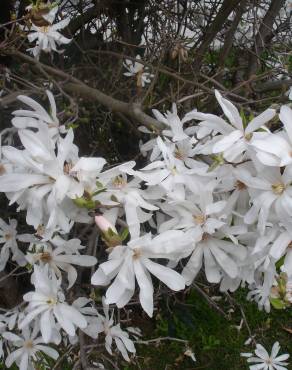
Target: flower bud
[
  {"x": 109, "y": 233},
  {"x": 103, "y": 224}
]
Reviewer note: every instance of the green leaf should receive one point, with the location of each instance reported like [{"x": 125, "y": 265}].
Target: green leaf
[
  {"x": 280, "y": 262},
  {"x": 124, "y": 234},
  {"x": 277, "y": 303},
  {"x": 84, "y": 203}
]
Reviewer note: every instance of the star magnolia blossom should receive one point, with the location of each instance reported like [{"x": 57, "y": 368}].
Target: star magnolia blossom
[
  {"x": 118, "y": 190},
  {"x": 28, "y": 346},
  {"x": 276, "y": 149},
  {"x": 114, "y": 332},
  {"x": 57, "y": 255},
  {"x": 172, "y": 175},
  {"x": 47, "y": 37},
  {"x": 42, "y": 179},
  {"x": 171, "y": 120},
  {"x": 31, "y": 118},
  {"x": 134, "y": 261},
  {"x": 274, "y": 190},
  {"x": 234, "y": 139},
  {"x": 219, "y": 256},
  {"x": 137, "y": 69},
  {"x": 264, "y": 361},
  {"x": 9, "y": 237},
  {"x": 48, "y": 303}
]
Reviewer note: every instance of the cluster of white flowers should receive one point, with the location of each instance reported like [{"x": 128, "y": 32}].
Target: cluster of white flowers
[{"x": 215, "y": 197}]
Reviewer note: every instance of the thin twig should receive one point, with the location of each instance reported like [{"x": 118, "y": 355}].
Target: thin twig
[{"x": 210, "y": 301}]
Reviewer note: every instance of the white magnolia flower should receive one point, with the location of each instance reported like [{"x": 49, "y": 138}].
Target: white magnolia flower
[
  {"x": 234, "y": 138},
  {"x": 289, "y": 92},
  {"x": 3, "y": 328},
  {"x": 261, "y": 296},
  {"x": 276, "y": 149},
  {"x": 174, "y": 124},
  {"x": 86, "y": 308},
  {"x": 234, "y": 192},
  {"x": 197, "y": 215},
  {"x": 273, "y": 195},
  {"x": 43, "y": 180},
  {"x": 282, "y": 247},
  {"x": 118, "y": 190},
  {"x": 265, "y": 361},
  {"x": 30, "y": 118},
  {"x": 9, "y": 237},
  {"x": 172, "y": 175},
  {"x": 219, "y": 256},
  {"x": 114, "y": 332},
  {"x": 59, "y": 255},
  {"x": 47, "y": 37},
  {"x": 48, "y": 303},
  {"x": 28, "y": 345},
  {"x": 137, "y": 69},
  {"x": 134, "y": 261}
]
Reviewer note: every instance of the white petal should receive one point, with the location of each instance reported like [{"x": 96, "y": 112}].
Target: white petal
[
  {"x": 48, "y": 351},
  {"x": 146, "y": 288},
  {"x": 227, "y": 141},
  {"x": 286, "y": 118},
  {"x": 230, "y": 111},
  {"x": 168, "y": 276},
  {"x": 260, "y": 120},
  {"x": 45, "y": 326}
]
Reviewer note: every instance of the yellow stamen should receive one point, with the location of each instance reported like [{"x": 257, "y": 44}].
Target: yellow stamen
[
  {"x": 199, "y": 219},
  {"x": 278, "y": 188},
  {"x": 45, "y": 257}
]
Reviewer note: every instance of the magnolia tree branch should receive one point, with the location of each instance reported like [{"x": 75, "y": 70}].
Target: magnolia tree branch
[
  {"x": 264, "y": 34},
  {"x": 73, "y": 85},
  {"x": 227, "y": 7}
]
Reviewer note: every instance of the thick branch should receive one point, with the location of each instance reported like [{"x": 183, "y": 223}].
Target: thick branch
[
  {"x": 227, "y": 7},
  {"x": 274, "y": 85},
  {"x": 78, "y": 22},
  {"x": 231, "y": 32},
  {"x": 73, "y": 85},
  {"x": 264, "y": 34}
]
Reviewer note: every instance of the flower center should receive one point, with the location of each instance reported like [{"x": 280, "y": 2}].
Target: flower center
[
  {"x": 2, "y": 169},
  {"x": 278, "y": 188},
  {"x": 119, "y": 182},
  {"x": 40, "y": 230},
  {"x": 8, "y": 237},
  {"x": 28, "y": 344},
  {"x": 178, "y": 154},
  {"x": 205, "y": 236},
  {"x": 136, "y": 253},
  {"x": 67, "y": 168},
  {"x": 248, "y": 137},
  {"x": 46, "y": 257},
  {"x": 173, "y": 171},
  {"x": 240, "y": 185},
  {"x": 52, "y": 301},
  {"x": 45, "y": 29},
  {"x": 199, "y": 219},
  {"x": 269, "y": 361}
]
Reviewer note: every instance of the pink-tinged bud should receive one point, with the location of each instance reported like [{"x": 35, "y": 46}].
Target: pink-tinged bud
[{"x": 104, "y": 225}]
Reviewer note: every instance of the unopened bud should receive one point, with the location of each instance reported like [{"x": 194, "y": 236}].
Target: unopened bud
[
  {"x": 103, "y": 224},
  {"x": 109, "y": 233}
]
